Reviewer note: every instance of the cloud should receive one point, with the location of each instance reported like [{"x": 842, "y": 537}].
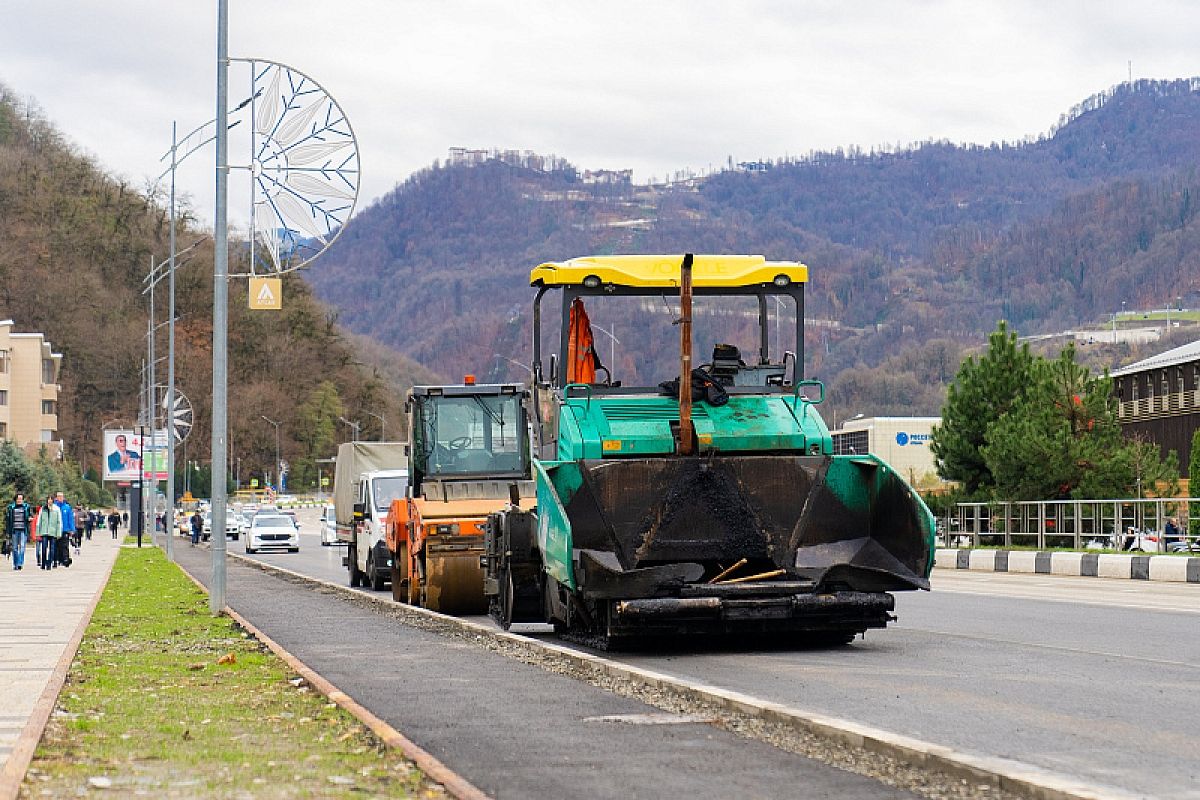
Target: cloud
[{"x": 655, "y": 86}]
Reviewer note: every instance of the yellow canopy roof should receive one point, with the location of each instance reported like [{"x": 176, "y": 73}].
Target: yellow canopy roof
[{"x": 663, "y": 270}]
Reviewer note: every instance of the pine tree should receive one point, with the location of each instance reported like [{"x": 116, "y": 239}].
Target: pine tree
[{"x": 983, "y": 391}]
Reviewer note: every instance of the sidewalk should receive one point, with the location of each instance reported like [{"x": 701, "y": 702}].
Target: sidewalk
[{"x": 44, "y": 615}]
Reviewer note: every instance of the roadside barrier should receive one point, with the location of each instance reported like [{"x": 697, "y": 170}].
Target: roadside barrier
[{"x": 1179, "y": 569}]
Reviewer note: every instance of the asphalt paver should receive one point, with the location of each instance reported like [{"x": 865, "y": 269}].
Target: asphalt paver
[{"x": 512, "y": 729}]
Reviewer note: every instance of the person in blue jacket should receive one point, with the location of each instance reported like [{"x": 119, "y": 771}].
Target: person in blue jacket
[{"x": 63, "y": 556}]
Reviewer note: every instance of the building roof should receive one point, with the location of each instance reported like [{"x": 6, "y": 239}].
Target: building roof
[
  {"x": 663, "y": 271},
  {"x": 1176, "y": 355}
]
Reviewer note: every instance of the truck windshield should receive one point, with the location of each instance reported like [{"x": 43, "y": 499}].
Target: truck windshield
[
  {"x": 471, "y": 435},
  {"x": 388, "y": 489}
]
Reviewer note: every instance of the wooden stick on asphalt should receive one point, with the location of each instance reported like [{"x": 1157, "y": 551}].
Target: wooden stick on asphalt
[
  {"x": 775, "y": 573},
  {"x": 725, "y": 572}
]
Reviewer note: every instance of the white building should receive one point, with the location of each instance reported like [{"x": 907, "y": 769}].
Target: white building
[{"x": 903, "y": 442}]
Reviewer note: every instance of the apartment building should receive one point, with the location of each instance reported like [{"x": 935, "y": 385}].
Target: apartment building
[{"x": 28, "y": 389}]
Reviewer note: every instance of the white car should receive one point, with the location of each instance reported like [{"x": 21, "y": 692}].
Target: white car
[
  {"x": 233, "y": 526},
  {"x": 272, "y": 530},
  {"x": 328, "y": 526}
]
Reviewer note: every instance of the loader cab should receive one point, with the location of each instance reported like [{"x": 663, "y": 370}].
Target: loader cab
[
  {"x": 461, "y": 433},
  {"x": 611, "y": 334}
]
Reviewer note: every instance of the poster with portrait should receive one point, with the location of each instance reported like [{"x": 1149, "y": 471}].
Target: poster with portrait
[
  {"x": 129, "y": 456},
  {"x": 122, "y": 455}
]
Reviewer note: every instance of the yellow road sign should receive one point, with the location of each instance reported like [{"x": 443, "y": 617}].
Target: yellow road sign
[{"x": 266, "y": 294}]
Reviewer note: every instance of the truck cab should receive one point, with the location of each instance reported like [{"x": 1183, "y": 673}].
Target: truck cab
[{"x": 368, "y": 558}]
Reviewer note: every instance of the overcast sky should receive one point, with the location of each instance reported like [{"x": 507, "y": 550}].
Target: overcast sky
[{"x": 656, "y": 86}]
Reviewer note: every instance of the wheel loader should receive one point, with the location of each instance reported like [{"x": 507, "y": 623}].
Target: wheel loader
[
  {"x": 706, "y": 498},
  {"x": 468, "y": 449}
]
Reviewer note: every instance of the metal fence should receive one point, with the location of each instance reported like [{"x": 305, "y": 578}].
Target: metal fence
[{"x": 1079, "y": 524}]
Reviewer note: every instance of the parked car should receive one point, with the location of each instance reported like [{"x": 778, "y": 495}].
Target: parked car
[
  {"x": 1146, "y": 541},
  {"x": 233, "y": 525},
  {"x": 328, "y": 526},
  {"x": 272, "y": 530}
]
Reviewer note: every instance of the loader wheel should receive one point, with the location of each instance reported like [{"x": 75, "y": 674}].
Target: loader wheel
[
  {"x": 505, "y": 602},
  {"x": 399, "y": 585}
]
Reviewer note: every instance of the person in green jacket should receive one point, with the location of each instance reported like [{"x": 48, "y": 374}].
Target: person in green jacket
[{"x": 49, "y": 529}]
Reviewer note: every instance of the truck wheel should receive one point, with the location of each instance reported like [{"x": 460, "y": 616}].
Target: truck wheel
[
  {"x": 374, "y": 576},
  {"x": 352, "y": 567}
]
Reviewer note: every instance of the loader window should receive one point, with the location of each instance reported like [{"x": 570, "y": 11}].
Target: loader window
[{"x": 471, "y": 435}]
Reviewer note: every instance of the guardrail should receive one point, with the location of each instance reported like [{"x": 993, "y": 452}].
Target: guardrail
[{"x": 1127, "y": 524}]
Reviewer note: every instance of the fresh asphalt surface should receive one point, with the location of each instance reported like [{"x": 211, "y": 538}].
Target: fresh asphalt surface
[
  {"x": 1089, "y": 677},
  {"x": 513, "y": 730}
]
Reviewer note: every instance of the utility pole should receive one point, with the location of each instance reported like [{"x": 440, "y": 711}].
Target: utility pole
[
  {"x": 382, "y": 424},
  {"x": 278, "y": 471},
  {"x": 216, "y": 595}
]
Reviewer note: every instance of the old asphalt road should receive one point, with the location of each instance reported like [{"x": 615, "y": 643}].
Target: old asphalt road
[
  {"x": 514, "y": 730},
  {"x": 1085, "y": 677}
]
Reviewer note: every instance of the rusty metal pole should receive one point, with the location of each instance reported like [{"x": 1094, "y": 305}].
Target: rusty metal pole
[{"x": 686, "y": 434}]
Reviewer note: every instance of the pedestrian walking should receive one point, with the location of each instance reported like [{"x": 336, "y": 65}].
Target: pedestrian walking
[
  {"x": 49, "y": 531},
  {"x": 67, "y": 540},
  {"x": 197, "y": 527},
  {"x": 114, "y": 522},
  {"x": 18, "y": 519},
  {"x": 89, "y": 523}
]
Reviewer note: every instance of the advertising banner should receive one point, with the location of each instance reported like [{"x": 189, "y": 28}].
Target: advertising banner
[{"x": 128, "y": 456}]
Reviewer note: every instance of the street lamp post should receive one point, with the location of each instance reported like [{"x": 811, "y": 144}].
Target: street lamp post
[
  {"x": 220, "y": 335},
  {"x": 277, "y": 470},
  {"x": 354, "y": 425},
  {"x": 613, "y": 341},
  {"x": 525, "y": 367},
  {"x": 382, "y": 424}
]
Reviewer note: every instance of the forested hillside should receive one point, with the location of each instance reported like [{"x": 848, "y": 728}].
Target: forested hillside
[
  {"x": 75, "y": 245},
  {"x": 912, "y": 250}
]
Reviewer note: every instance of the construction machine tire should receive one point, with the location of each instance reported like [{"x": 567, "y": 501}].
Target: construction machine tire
[
  {"x": 400, "y": 575},
  {"x": 502, "y": 610},
  {"x": 454, "y": 583}
]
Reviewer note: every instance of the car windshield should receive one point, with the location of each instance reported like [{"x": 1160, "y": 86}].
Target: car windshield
[{"x": 272, "y": 522}]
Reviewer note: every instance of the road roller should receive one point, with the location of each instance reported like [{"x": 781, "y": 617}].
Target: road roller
[
  {"x": 681, "y": 496},
  {"x": 468, "y": 456}
]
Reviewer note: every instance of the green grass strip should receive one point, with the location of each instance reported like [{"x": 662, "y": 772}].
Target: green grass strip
[{"x": 147, "y": 709}]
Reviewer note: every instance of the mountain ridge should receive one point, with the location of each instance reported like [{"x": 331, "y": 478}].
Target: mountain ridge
[{"x": 932, "y": 242}]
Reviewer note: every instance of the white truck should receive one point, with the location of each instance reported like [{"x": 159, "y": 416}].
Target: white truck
[{"x": 368, "y": 476}]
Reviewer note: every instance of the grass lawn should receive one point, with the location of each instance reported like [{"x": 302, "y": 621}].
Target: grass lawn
[{"x": 165, "y": 700}]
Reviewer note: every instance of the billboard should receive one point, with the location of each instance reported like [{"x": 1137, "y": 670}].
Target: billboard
[{"x": 129, "y": 456}]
